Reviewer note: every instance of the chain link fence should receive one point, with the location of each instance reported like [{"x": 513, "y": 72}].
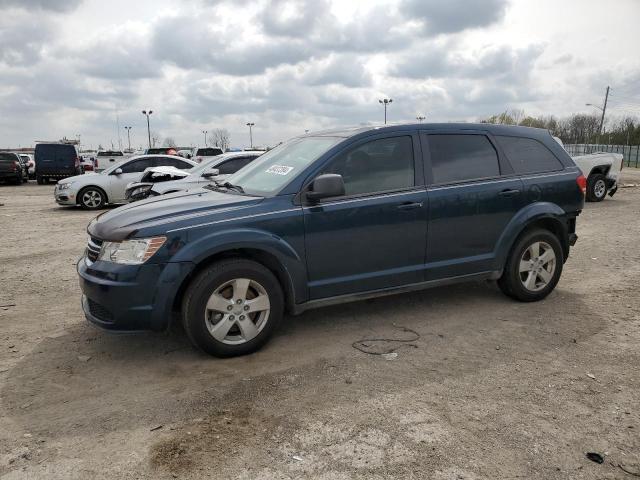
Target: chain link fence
[{"x": 630, "y": 153}]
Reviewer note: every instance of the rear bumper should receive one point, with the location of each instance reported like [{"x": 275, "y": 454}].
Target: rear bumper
[{"x": 128, "y": 298}]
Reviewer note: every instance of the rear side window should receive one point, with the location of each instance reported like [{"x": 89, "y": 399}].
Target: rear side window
[
  {"x": 137, "y": 165},
  {"x": 233, "y": 165},
  {"x": 527, "y": 155},
  {"x": 459, "y": 158},
  {"x": 171, "y": 162},
  {"x": 376, "y": 166}
]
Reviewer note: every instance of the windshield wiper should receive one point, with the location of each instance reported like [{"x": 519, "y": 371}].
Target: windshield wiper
[{"x": 229, "y": 186}]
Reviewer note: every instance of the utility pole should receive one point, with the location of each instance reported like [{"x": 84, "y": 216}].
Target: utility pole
[
  {"x": 385, "y": 101},
  {"x": 205, "y": 137},
  {"x": 144, "y": 112},
  {"x": 250, "y": 125},
  {"x": 604, "y": 109},
  {"x": 128, "y": 129}
]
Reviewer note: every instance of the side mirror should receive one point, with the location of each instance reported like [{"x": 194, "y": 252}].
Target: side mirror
[
  {"x": 325, "y": 186},
  {"x": 117, "y": 171},
  {"x": 214, "y": 172}
]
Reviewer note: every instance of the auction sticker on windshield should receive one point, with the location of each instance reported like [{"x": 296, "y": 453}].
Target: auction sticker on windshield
[{"x": 279, "y": 169}]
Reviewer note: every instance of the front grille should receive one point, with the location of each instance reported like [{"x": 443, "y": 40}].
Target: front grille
[
  {"x": 93, "y": 248},
  {"x": 100, "y": 312}
]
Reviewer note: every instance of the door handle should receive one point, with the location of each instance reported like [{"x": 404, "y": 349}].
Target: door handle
[
  {"x": 409, "y": 205},
  {"x": 510, "y": 192}
]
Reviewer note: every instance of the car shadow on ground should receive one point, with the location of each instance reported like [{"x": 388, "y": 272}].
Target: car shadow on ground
[{"x": 85, "y": 379}]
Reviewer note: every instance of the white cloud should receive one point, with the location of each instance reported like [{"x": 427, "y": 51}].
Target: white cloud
[{"x": 289, "y": 65}]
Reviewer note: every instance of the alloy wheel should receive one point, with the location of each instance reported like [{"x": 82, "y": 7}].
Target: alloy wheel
[
  {"x": 237, "y": 311},
  {"x": 91, "y": 198},
  {"x": 599, "y": 188},
  {"x": 537, "y": 266}
]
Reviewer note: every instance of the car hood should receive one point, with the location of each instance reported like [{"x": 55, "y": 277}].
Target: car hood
[
  {"x": 184, "y": 183},
  {"x": 159, "y": 214},
  {"x": 76, "y": 178}
]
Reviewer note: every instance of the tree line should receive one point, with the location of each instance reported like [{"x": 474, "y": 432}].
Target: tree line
[{"x": 576, "y": 128}]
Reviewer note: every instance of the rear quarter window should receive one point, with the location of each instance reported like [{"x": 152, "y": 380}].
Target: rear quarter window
[{"x": 527, "y": 155}]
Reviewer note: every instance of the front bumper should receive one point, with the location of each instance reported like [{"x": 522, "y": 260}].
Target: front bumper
[
  {"x": 65, "y": 197},
  {"x": 127, "y": 298}
]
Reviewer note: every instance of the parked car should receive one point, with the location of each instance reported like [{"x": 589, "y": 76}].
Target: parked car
[
  {"x": 56, "y": 161},
  {"x": 12, "y": 168},
  {"x": 602, "y": 170},
  {"x": 87, "y": 163},
  {"x": 184, "y": 153},
  {"x": 159, "y": 180},
  {"x": 202, "y": 154},
  {"x": 108, "y": 158},
  {"x": 332, "y": 217},
  {"x": 31, "y": 165},
  {"x": 95, "y": 190}
]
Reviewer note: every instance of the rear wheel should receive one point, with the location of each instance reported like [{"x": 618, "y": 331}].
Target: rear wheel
[
  {"x": 596, "y": 187},
  {"x": 232, "y": 308},
  {"x": 533, "y": 268},
  {"x": 40, "y": 180},
  {"x": 18, "y": 180},
  {"x": 91, "y": 198}
]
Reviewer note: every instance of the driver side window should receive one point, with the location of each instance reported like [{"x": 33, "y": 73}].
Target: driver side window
[{"x": 378, "y": 166}]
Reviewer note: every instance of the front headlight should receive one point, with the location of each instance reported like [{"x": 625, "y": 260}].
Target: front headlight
[
  {"x": 140, "y": 191},
  {"x": 64, "y": 186},
  {"x": 131, "y": 252}
]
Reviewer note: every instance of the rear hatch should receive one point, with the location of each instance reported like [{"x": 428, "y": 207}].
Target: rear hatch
[
  {"x": 7, "y": 162},
  {"x": 56, "y": 159}
]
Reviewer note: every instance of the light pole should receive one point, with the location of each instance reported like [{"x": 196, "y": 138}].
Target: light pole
[
  {"x": 128, "y": 129},
  {"x": 250, "y": 125},
  {"x": 385, "y": 101},
  {"x": 205, "y": 137},
  {"x": 420, "y": 118},
  {"x": 144, "y": 112},
  {"x": 603, "y": 109}
]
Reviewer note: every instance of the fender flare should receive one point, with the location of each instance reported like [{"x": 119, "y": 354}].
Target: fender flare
[
  {"x": 523, "y": 219},
  {"x": 202, "y": 249}
]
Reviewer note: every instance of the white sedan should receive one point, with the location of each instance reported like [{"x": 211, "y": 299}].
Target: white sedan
[{"x": 94, "y": 190}]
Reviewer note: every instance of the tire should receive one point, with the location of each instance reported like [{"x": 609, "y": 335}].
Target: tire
[
  {"x": 596, "y": 187},
  {"x": 39, "y": 180},
  {"x": 91, "y": 198},
  {"x": 532, "y": 284},
  {"x": 227, "y": 279},
  {"x": 18, "y": 180}
]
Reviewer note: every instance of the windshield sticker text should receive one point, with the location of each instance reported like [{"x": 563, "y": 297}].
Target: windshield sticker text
[{"x": 279, "y": 169}]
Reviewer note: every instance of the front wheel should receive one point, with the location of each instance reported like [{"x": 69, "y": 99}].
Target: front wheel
[
  {"x": 596, "y": 187},
  {"x": 533, "y": 268},
  {"x": 91, "y": 198},
  {"x": 232, "y": 308}
]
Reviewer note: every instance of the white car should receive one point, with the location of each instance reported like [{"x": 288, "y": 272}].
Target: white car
[
  {"x": 602, "y": 170},
  {"x": 158, "y": 181},
  {"x": 108, "y": 158},
  {"x": 94, "y": 190},
  {"x": 203, "y": 154},
  {"x": 31, "y": 165}
]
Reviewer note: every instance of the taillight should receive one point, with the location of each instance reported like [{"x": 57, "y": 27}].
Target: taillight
[{"x": 582, "y": 183}]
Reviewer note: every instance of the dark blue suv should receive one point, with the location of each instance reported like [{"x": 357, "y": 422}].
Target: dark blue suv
[{"x": 332, "y": 217}]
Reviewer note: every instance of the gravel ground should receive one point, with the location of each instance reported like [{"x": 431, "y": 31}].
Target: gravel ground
[{"x": 485, "y": 388}]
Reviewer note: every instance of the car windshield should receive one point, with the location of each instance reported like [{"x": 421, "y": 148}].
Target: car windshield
[
  {"x": 209, "y": 164},
  {"x": 268, "y": 174}
]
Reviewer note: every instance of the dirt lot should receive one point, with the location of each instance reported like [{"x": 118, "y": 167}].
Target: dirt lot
[{"x": 491, "y": 388}]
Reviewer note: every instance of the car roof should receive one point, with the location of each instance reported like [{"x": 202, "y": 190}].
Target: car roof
[
  {"x": 159, "y": 155},
  {"x": 490, "y": 127}
]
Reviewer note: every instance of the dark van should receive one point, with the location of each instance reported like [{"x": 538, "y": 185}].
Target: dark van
[
  {"x": 333, "y": 217},
  {"x": 56, "y": 161}
]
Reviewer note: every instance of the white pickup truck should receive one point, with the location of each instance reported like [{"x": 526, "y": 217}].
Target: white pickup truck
[{"x": 602, "y": 170}]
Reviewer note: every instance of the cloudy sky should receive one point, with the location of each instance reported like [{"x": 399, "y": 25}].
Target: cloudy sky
[{"x": 71, "y": 67}]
